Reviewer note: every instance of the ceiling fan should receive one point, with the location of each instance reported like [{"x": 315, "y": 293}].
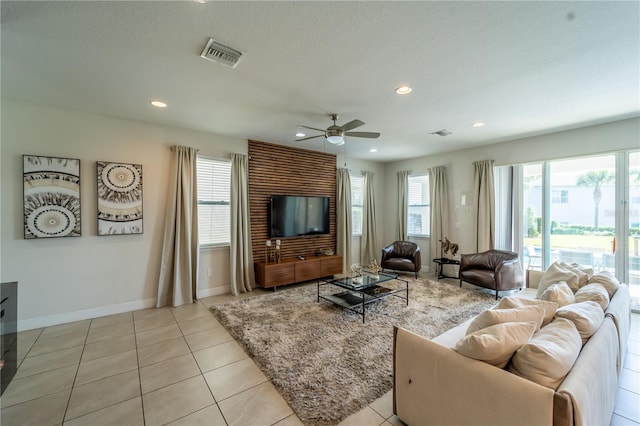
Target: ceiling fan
[{"x": 335, "y": 134}]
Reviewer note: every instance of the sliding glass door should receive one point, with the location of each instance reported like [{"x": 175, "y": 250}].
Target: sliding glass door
[
  {"x": 532, "y": 220},
  {"x": 582, "y": 211},
  {"x": 585, "y": 211},
  {"x": 633, "y": 229}
]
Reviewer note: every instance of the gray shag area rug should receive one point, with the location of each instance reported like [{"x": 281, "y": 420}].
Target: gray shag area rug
[{"x": 324, "y": 361}]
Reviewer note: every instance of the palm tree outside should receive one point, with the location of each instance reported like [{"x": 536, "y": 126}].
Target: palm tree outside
[{"x": 595, "y": 179}]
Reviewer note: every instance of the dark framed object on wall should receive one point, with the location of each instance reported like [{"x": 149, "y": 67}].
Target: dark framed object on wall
[
  {"x": 51, "y": 191},
  {"x": 8, "y": 333},
  {"x": 119, "y": 198}
]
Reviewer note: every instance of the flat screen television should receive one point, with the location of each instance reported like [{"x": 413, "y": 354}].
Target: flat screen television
[{"x": 293, "y": 216}]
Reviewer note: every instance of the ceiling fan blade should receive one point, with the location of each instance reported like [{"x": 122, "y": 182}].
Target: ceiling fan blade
[
  {"x": 310, "y": 137},
  {"x": 352, "y": 125},
  {"x": 312, "y": 128},
  {"x": 372, "y": 135}
]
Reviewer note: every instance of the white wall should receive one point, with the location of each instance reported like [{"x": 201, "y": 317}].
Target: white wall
[
  {"x": 616, "y": 136},
  {"x": 65, "y": 279}
]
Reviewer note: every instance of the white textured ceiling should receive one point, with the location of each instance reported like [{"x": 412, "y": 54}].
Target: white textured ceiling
[{"x": 524, "y": 68}]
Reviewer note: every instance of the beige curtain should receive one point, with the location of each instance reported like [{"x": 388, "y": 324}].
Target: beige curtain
[
  {"x": 343, "y": 210},
  {"x": 241, "y": 256},
  {"x": 438, "y": 193},
  {"x": 403, "y": 205},
  {"x": 178, "y": 280},
  {"x": 484, "y": 201},
  {"x": 368, "y": 249}
]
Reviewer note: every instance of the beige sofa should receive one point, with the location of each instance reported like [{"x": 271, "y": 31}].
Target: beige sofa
[{"x": 434, "y": 385}]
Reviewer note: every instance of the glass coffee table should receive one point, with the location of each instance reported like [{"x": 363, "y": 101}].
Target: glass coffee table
[{"x": 355, "y": 293}]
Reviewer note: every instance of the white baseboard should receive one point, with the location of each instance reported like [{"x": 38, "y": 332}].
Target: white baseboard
[
  {"x": 213, "y": 291},
  {"x": 30, "y": 324}
]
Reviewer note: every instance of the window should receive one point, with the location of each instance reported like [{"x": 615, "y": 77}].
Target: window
[
  {"x": 356, "y": 204},
  {"x": 419, "y": 208},
  {"x": 214, "y": 215},
  {"x": 560, "y": 196}
]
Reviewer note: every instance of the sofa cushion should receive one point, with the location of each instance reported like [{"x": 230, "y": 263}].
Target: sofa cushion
[
  {"x": 497, "y": 343},
  {"x": 586, "y": 316},
  {"x": 548, "y": 357},
  {"x": 607, "y": 280},
  {"x": 559, "y": 293},
  {"x": 497, "y": 316},
  {"x": 481, "y": 277},
  {"x": 400, "y": 264},
  {"x": 556, "y": 273},
  {"x": 594, "y": 292},
  {"x": 516, "y": 302}
]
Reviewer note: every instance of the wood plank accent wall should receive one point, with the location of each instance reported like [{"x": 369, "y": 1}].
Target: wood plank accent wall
[{"x": 282, "y": 170}]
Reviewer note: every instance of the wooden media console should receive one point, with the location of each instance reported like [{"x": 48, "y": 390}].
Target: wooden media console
[{"x": 289, "y": 271}]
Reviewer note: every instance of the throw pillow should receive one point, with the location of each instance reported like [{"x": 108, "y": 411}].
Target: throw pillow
[
  {"x": 516, "y": 302},
  {"x": 548, "y": 357},
  {"x": 497, "y": 316},
  {"x": 496, "y": 344},
  {"x": 586, "y": 269},
  {"x": 595, "y": 292},
  {"x": 583, "y": 276},
  {"x": 607, "y": 280},
  {"x": 554, "y": 274},
  {"x": 559, "y": 293},
  {"x": 586, "y": 316}
]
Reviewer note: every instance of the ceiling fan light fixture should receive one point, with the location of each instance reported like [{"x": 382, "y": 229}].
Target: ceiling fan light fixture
[
  {"x": 335, "y": 139},
  {"x": 300, "y": 135},
  {"x": 335, "y": 134}
]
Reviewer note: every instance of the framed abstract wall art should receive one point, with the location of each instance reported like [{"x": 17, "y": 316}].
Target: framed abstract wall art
[
  {"x": 51, "y": 188},
  {"x": 119, "y": 198}
]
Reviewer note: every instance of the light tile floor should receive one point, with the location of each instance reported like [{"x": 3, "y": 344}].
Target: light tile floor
[{"x": 179, "y": 366}]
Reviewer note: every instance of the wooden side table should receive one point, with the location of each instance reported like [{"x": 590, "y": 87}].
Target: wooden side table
[{"x": 440, "y": 262}]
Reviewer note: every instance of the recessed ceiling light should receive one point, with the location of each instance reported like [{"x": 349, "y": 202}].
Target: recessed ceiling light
[
  {"x": 373, "y": 150},
  {"x": 200, "y": 1},
  {"x": 403, "y": 90},
  {"x": 300, "y": 135},
  {"x": 159, "y": 104},
  {"x": 477, "y": 124}
]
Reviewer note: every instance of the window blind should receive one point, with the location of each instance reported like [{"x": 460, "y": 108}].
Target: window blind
[
  {"x": 356, "y": 204},
  {"x": 214, "y": 189},
  {"x": 419, "y": 208}
]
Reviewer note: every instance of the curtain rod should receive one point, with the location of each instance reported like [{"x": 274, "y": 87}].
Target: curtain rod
[
  {"x": 173, "y": 147},
  {"x": 231, "y": 155}
]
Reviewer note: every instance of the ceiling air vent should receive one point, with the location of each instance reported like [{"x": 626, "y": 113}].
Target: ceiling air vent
[
  {"x": 443, "y": 132},
  {"x": 218, "y": 52}
]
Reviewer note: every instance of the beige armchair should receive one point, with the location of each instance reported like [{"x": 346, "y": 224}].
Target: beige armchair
[{"x": 402, "y": 256}]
